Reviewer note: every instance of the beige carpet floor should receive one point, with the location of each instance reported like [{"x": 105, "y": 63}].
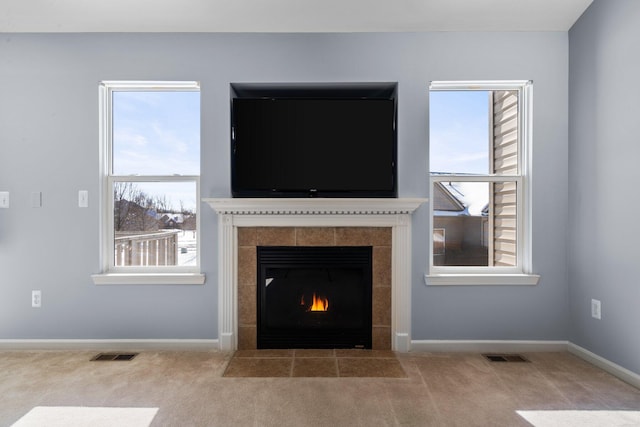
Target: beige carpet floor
[{"x": 190, "y": 389}]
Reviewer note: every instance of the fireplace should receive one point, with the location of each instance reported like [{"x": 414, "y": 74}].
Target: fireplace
[
  {"x": 316, "y": 242},
  {"x": 244, "y": 224},
  {"x": 314, "y": 297}
]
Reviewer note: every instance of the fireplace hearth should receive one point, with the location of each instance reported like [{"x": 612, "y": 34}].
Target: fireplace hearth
[{"x": 314, "y": 297}]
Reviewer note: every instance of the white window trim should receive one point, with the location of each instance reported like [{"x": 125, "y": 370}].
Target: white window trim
[
  {"x": 522, "y": 273},
  {"x": 114, "y": 275}
]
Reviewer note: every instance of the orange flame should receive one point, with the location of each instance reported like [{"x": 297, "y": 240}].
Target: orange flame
[{"x": 319, "y": 304}]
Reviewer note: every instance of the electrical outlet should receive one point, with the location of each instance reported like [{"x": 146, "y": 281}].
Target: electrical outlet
[
  {"x": 36, "y": 299},
  {"x": 596, "y": 309}
]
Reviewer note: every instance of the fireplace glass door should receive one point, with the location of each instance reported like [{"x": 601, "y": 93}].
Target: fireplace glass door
[{"x": 314, "y": 297}]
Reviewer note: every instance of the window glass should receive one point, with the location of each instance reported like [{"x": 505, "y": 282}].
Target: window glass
[
  {"x": 480, "y": 224},
  {"x": 156, "y": 132},
  {"x": 459, "y": 131},
  {"x": 154, "y": 223}
]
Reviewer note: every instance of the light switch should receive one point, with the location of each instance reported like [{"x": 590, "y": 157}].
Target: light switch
[
  {"x": 36, "y": 199},
  {"x": 83, "y": 199},
  {"x": 4, "y": 199}
]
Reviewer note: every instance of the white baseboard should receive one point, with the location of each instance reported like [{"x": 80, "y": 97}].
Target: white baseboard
[
  {"x": 616, "y": 370},
  {"x": 487, "y": 346},
  {"x": 123, "y": 344}
]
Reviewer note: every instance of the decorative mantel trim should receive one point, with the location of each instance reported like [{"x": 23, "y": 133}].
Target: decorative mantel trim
[
  {"x": 314, "y": 206},
  {"x": 320, "y": 212}
]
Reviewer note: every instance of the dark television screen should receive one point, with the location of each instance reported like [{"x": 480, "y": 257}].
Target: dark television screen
[{"x": 301, "y": 147}]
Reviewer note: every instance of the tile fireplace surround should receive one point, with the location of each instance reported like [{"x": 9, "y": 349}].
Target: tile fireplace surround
[{"x": 288, "y": 222}]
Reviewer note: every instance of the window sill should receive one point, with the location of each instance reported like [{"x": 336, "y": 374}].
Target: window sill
[
  {"x": 480, "y": 279},
  {"x": 148, "y": 279}
]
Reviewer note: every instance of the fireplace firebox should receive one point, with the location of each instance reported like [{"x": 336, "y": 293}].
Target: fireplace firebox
[{"x": 314, "y": 297}]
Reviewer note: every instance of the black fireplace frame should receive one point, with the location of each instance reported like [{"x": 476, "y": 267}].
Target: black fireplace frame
[{"x": 360, "y": 257}]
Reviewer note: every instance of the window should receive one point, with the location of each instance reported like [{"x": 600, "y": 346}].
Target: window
[
  {"x": 150, "y": 145},
  {"x": 479, "y": 144}
]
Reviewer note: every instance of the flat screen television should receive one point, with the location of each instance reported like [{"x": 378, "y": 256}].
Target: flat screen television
[{"x": 314, "y": 141}]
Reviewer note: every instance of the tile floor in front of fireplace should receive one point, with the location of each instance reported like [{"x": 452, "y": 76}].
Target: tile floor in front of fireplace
[
  {"x": 315, "y": 363},
  {"x": 187, "y": 388}
]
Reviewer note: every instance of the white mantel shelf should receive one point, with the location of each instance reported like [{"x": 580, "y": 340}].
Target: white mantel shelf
[
  {"x": 314, "y": 206},
  {"x": 314, "y": 212}
]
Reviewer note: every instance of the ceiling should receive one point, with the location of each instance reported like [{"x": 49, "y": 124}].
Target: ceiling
[{"x": 288, "y": 15}]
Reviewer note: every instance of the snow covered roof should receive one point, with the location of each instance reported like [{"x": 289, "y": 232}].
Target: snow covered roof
[{"x": 471, "y": 198}]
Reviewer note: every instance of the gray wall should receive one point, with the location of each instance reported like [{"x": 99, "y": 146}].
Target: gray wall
[
  {"x": 49, "y": 143},
  {"x": 604, "y": 176}
]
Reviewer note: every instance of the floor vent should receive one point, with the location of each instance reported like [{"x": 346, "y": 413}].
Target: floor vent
[
  {"x": 108, "y": 357},
  {"x": 505, "y": 358}
]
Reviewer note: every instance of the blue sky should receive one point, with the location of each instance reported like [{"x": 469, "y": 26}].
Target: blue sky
[
  {"x": 459, "y": 131},
  {"x": 158, "y": 133}
]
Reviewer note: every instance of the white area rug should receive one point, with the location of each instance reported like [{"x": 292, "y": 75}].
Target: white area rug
[
  {"x": 582, "y": 418},
  {"x": 75, "y": 416}
]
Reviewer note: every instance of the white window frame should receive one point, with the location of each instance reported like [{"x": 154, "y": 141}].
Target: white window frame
[
  {"x": 112, "y": 274},
  {"x": 521, "y": 274}
]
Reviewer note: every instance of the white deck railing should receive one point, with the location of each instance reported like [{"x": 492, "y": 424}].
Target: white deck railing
[{"x": 144, "y": 248}]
